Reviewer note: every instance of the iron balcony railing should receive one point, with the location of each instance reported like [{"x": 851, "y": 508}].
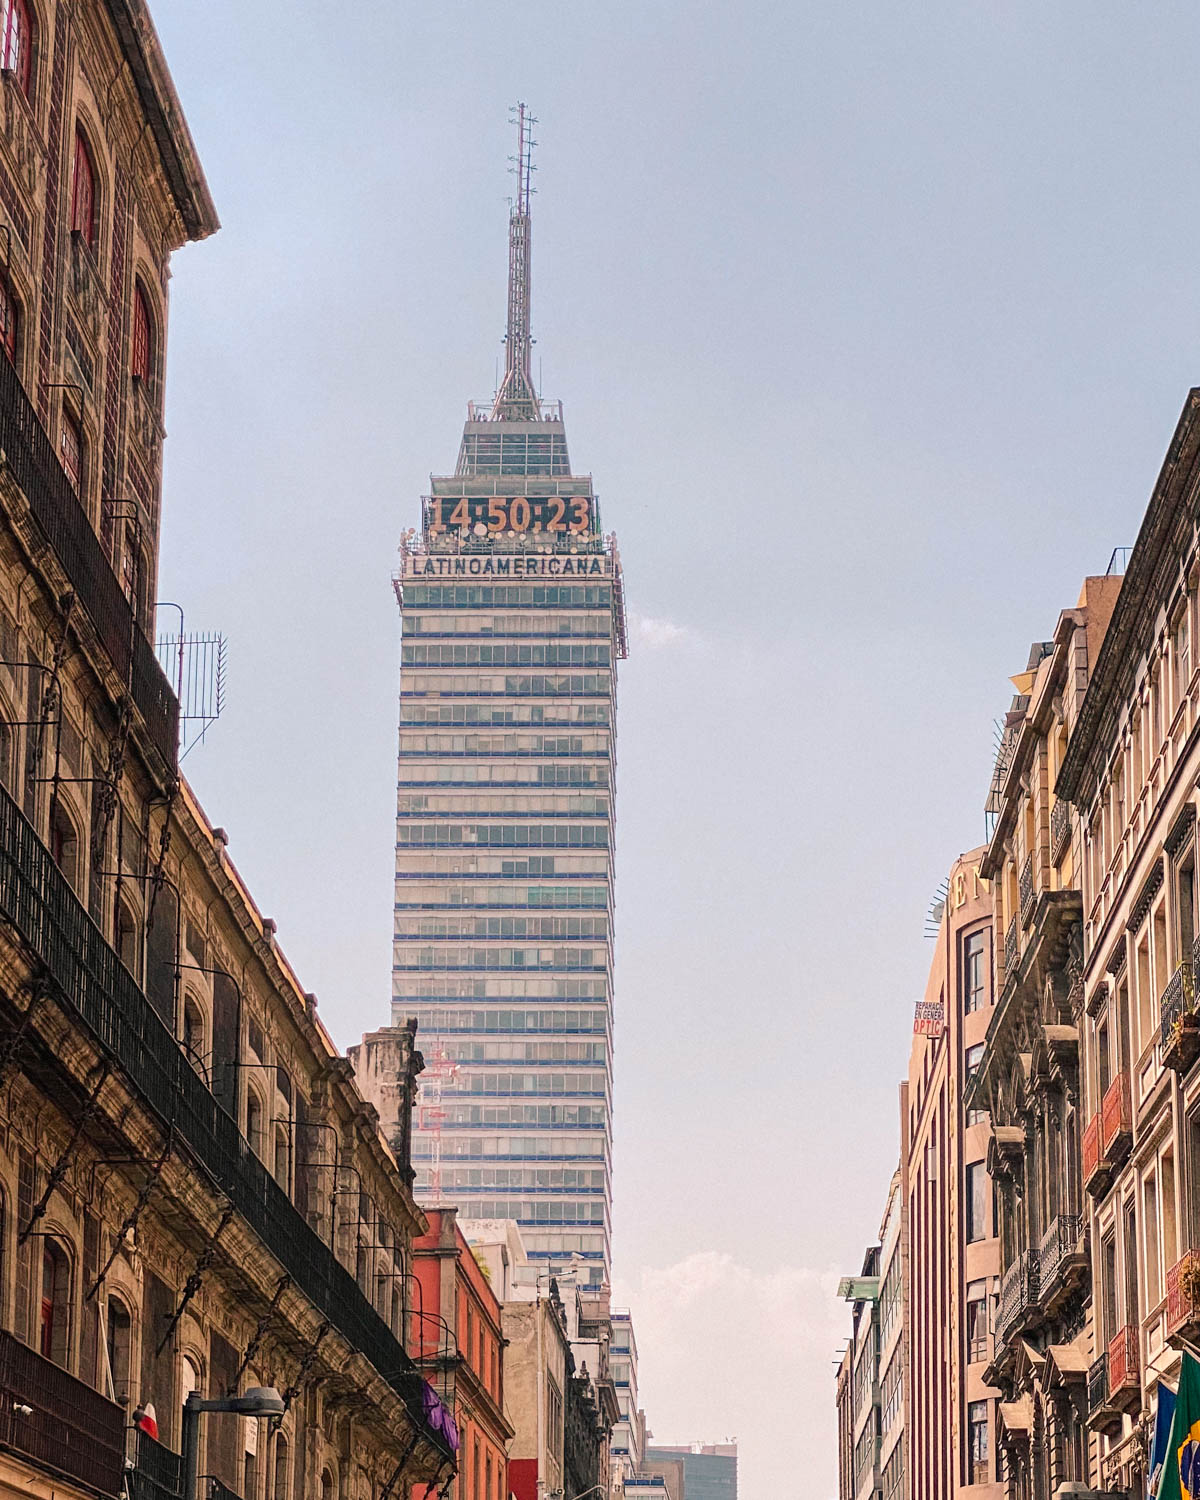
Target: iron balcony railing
[
  {"x": 1012, "y": 940},
  {"x": 1060, "y": 1241},
  {"x": 64, "y": 523},
  {"x": 1097, "y": 1385},
  {"x": 59, "y": 1422},
  {"x": 40, "y": 903},
  {"x": 157, "y": 1473},
  {"x": 1026, "y": 890},
  {"x": 1178, "y": 1000},
  {"x": 1060, "y": 829},
  {"x": 1018, "y": 1289}
]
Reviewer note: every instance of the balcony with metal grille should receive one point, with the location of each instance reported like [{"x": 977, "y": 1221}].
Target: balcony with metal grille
[
  {"x": 1180, "y": 1024},
  {"x": 1097, "y": 1169},
  {"x": 157, "y": 1473},
  {"x": 89, "y": 981},
  {"x": 55, "y": 507},
  {"x": 1183, "y": 1300},
  {"x": 1060, "y": 829},
  {"x": 1018, "y": 1297},
  {"x": 1026, "y": 891},
  {"x": 1124, "y": 1370},
  {"x": 1012, "y": 949},
  {"x": 1062, "y": 1260},
  {"x": 1116, "y": 1121},
  {"x": 1102, "y": 1414},
  {"x": 57, "y": 1422}
]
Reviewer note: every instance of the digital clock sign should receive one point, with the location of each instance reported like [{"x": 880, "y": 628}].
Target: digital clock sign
[{"x": 494, "y": 516}]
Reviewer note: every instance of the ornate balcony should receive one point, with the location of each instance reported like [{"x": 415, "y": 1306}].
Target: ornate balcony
[
  {"x": 1018, "y": 1295},
  {"x": 1012, "y": 949},
  {"x": 1124, "y": 1370},
  {"x": 89, "y": 981},
  {"x": 55, "y": 507},
  {"x": 1116, "y": 1121},
  {"x": 1183, "y": 1300},
  {"x": 1062, "y": 1260},
  {"x": 57, "y": 1422},
  {"x": 1026, "y": 891},
  {"x": 157, "y": 1473},
  {"x": 1060, "y": 829},
  {"x": 1097, "y": 1169},
  {"x": 1102, "y": 1415},
  {"x": 1180, "y": 1024}
]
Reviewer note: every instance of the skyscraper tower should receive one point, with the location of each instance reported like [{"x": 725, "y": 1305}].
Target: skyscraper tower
[{"x": 512, "y": 623}]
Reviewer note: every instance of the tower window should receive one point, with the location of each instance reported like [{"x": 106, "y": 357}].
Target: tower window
[
  {"x": 16, "y": 49},
  {"x": 83, "y": 193},
  {"x": 142, "y": 343}
]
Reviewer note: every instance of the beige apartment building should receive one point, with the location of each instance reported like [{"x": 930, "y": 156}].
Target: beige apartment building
[
  {"x": 1029, "y": 1076},
  {"x": 953, "y": 1255},
  {"x": 194, "y": 1197},
  {"x": 1130, "y": 770}
]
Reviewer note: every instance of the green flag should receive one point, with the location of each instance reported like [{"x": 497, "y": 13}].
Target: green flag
[{"x": 1181, "y": 1471}]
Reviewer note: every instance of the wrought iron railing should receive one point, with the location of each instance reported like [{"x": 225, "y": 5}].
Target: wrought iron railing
[
  {"x": 64, "y": 523},
  {"x": 1123, "y": 1361},
  {"x": 59, "y": 1422},
  {"x": 1178, "y": 1000},
  {"x": 1012, "y": 941},
  {"x": 1090, "y": 1149},
  {"x": 1097, "y": 1384},
  {"x": 1026, "y": 890},
  {"x": 39, "y": 902},
  {"x": 1060, "y": 829},
  {"x": 1183, "y": 1292},
  {"x": 1018, "y": 1288},
  {"x": 1116, "y": 1114},
  {"x": 157, "y": 1473},
  {"x": 1060, "y": 1241}
]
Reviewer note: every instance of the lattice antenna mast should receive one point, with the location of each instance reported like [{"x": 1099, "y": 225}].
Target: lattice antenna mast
[{"x": 517, "y": 400}]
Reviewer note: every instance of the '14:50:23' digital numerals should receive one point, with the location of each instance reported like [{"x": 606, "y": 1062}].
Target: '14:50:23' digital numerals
[{"x": 553, "y": 513}]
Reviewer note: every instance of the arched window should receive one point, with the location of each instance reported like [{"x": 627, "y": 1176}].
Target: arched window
[
  {"x": 8, "y": 321},
  {"x": 281, "y": 1469},
  {"x": 64, "y": 844},
  {"x": 53, "y": 1321},
  {"x": 83, "y": 192},
  {"x": 120, "y": 1334},
  {"x": 254, "y": 1122},
  {"x": 326, "y": 1485},
  {"x": 283, "y": 1159},
  {"x": 125, "y": 936},
  {"x": 16, "y": 49},
  {"x": 141, "y": 360},
  {"x": 70, "y": 447},
  {"x": 195, "y": 1041}
]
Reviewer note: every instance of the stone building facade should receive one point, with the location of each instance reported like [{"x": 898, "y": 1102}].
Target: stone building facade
[
  {"x": 1130, "y": 771},
  {"x": 458, "y": 1345},
  {"x": 193, "y": 1194},
  {"x": 1029, "y": 1077},
  {"x": 953, "y": 1257}
]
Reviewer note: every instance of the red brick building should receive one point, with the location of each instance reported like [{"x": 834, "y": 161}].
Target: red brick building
[{"x": 458, "y": 1345}]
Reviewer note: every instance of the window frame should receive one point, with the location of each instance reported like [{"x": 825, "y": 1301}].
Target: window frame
[
  {"x": 142, "y": 341},
  {"x": 87, "y": 229},
  {"x": 22, "y": 72}
]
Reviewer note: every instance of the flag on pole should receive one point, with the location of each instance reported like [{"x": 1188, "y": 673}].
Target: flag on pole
[
  {"x": 1181, "y": 1467},
  {"x": 1164, "y": 1415}
]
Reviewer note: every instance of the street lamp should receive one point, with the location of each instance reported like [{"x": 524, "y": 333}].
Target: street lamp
[{"x": 258, "y": 1401}]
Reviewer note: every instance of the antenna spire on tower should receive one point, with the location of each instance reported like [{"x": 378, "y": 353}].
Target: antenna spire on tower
[{"x": 516, "y": 400}]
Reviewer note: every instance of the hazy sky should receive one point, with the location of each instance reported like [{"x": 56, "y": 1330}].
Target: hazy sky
[{"x": 872, "y": 322}]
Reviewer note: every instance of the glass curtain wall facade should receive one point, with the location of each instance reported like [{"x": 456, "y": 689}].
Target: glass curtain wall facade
[{"x": 512, "y": 626}]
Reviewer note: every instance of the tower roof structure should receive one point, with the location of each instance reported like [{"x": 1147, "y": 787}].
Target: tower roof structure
[{"x": 517, "y": 400}]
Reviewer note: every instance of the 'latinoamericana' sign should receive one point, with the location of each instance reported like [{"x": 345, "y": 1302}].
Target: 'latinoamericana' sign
[{"x": 506, "y": 565}]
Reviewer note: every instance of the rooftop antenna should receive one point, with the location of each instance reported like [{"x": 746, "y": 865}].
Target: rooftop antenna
[{"x": 516, "y": 400}]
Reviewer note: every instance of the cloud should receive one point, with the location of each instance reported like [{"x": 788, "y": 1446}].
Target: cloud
[
  {"x": 658, "y": 634},
  {"x": 727, "y": 1351}
]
